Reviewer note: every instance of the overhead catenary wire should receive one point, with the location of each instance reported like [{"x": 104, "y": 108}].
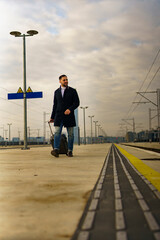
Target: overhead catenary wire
[
  {"x": 4, "y": 89},
  {"x": 146, "y": 89},
  {"x": 152, "y": 79},
  {"x": 11, "y": 102},
  {"x": 149, "y": 70},
  {"x": 31, "y": 109},
  {"x": 158, "y": 52},
  {"x": 15, "y": 114}
]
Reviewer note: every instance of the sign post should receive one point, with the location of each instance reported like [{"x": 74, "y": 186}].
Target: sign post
[{"x": 24, "y": 95}]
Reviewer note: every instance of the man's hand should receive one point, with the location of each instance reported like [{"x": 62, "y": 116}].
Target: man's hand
[
  {"x": 51, "y": 120},
  {"x": 67, "y": 112}
]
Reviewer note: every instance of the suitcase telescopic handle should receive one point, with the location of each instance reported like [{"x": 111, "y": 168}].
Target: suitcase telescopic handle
[{"x": 50, "y": 128}]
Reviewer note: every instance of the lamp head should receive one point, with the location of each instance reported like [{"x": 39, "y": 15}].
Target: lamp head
[
  {"x": 32, "y": 32},
  {"x": 15, "y": 33}
]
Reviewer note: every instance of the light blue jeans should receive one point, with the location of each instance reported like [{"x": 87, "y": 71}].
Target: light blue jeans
[{"x": 57, "y": 137}]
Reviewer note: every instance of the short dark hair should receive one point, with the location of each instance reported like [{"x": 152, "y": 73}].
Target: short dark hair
[{"x": 62, "y": 76}]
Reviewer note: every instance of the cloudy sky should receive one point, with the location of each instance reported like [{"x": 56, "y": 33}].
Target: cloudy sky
[{"x": 105, "y": 47}]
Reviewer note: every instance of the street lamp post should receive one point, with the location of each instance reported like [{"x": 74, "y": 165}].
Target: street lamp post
[
  {"x": 95, "y": 130},
  {"x": 84, "y": 122},
  {"x": 98, "y": 125},
  {"x": 91, "y": 127},
  {"x": 9, "y": 124},
  {"x": 44, "y": 128},
  {"x": 19, "y": 132},
  {"x": 98, "y": 129},
  {"x": 3, "y": 131},
  {"x": 6, "y": 136},
  {"x": 29, "y": 134},
  {"x": 29, "y": 34},
  {"x": 100, "y": 132}
]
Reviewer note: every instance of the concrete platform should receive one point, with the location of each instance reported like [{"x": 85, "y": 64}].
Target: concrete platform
[
  {"x": 42, "y": 197},
  {"x": 152, "y": 159}
]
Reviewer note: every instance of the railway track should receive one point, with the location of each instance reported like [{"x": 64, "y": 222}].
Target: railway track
[
  {"x": 123, "y": 205},
  {"x": 145, "y": 148}
]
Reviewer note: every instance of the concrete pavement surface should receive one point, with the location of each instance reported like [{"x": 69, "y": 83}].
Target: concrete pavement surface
[{"x": 42, "y": 197}]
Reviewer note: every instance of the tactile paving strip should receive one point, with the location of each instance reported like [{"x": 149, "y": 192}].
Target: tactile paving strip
[{"x": 122, "y": 206}]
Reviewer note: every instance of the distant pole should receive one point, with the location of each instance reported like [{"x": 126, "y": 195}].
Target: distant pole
[
  {"x": 9, "y": 138},
  {"x": 95, "y": 131},
  {"x": 91, "y": 127},
  {"x": 84, "y": 108},
  {"x": 44, "y": 126},
  {"x": 133, "y": 125},
  {"x": 98, "y": 129},
  {"x": 6, "y": 133},
  {"x": 29, "y": 134},
  {"x": 3, "y": 131},
  {"x": 19, "y": 132},
  {"x": 149, "y": 119},
  {"x": 79, "y": 140},
  {"x": 6, "y": 136},
  {"x": 48, "y": 134},
  {"x": 38, "y": 136},
  {"x": 38, "y": 132},
  {"x": 98, "y": 132}
]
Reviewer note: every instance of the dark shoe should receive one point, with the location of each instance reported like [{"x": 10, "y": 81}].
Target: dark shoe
[
  {"x": 55, "y": 152},
  {"x": 70, "y": 154}
]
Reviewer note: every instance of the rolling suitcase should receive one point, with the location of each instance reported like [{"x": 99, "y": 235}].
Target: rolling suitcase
[{"x": 63, "y": 142}]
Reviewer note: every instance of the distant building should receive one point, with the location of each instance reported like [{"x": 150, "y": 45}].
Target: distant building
[
  {"x": 35, "y": 139},
  {"x": 114, "y": 139},
  {"x": 1, "y": 139},
  {"x": 147, "y": 136},
  {"x": 130, "y": 137},
  {"x": 15, "y": 139}
]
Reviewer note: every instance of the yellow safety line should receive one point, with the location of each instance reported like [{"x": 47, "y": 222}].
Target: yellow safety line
[{"x": 152, "y": 175}]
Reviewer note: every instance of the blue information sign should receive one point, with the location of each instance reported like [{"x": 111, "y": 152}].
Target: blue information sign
[
  {"x": 28, "y": 95},
  {"x": 15, "y": 96},
  {"x": 34, "y": 95}
]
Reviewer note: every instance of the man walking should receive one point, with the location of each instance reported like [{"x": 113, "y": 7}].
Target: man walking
[{"x": 66, "y": 100}]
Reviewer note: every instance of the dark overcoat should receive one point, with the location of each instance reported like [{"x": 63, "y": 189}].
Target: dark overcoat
[{"x": 70, "y": 100}]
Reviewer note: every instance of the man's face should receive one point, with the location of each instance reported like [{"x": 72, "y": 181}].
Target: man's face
[{"x": 64, "y": 81}]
